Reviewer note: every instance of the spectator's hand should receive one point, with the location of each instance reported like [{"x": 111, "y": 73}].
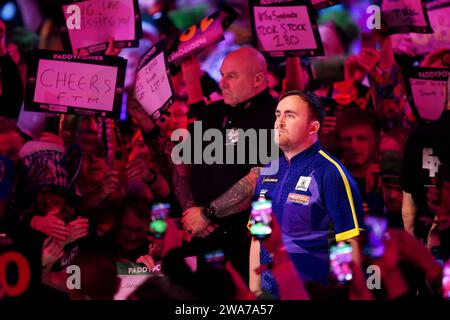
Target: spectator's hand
[
  {"x": 77, "y": 229},
  {"x": 51, "y": 226},
  {"x": 111, "y": 139},
  {"x": 3, "y": 50},
  {"x": 206, "y": 232},
  {"x": 274, "y": 243},
  {"x": 358, "y": 289},
  {"x": 390, "y": 259},
  {"x": 242, "y": 290},
  {"x": 411, "y": 250},
  {"x": 139, "y": 115},
  {"x": 402, "y": 45},
  {"x": 352, "y": 70},
  {"x": 81, "y": 52},
  {"x": 152, "y": 248},
  {"x": 147, "y": 260},
  {"x": 52, "y": 138},
  {"x": 368, "y": 59},
  {"x": 111, "y": 50},
  {"x": 193, "y": 221},
  {"x": 139, "y": 169},
  {"x": 110, "y": 184},
  {"x": 52, "y": 251},
  {"x": 391, "y": 274}
]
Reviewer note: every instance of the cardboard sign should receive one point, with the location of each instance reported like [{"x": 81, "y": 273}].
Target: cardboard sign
[
  {"x": 101, "y": 20},
  {"x": 132, "y": 275},
  {"x": 439, "y": 15},
  {"x": 425, "y": 88},
  {"x": 64, "y": 83},
  {"x": 404, "y": 16},
  {"x": 205, "y": 33},
  {"x": 153, "y": 87},
  {"x": 317, "y": 4},
  {"x": 287, "y": 28},
  {"x": 320, "y": 4}
]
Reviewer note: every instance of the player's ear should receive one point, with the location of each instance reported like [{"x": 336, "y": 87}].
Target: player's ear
[
  {"x": 315, "y": 126},
  {"x": 259, "y": 79}
]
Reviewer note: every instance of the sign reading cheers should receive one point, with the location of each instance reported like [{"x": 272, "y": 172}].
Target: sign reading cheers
[
  {"x": 205, "y": 33},
  {"x": 101, "y": 20},
  {"x": 153, "y": 87},
  {"x": 64, "y": 83},
  {"x": 404, "y": 16},
  {"x": 285, "y": 28},
  {"x": 425, "y": 88}
]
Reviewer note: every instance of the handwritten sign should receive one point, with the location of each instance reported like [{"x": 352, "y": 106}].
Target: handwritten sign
[
  {"x": 320, "y": 4},
  {"x": 205, "y": 33},
  {"x": 65, "y": 83},
  {"x": 317, "y": 4},
  {"x": 131, "y": 276},
  {"x": 102, "y": 20},
  {"x": 153, "y": 88},
  {"x": 426, "y": 91},
  {"x": 286, "y": 29},
  {"x": 404, "y": 16},
  {"x": 440, "y": 22}
]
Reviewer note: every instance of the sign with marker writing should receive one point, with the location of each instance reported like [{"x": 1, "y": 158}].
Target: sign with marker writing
[
  {"x": 65, "y": 83},
  {"x": 425, "y": 88},
  {"x": 320, "y": 4},
  {"x": 132, "y": 275},
  {"x": 317, "y": 4},
  {"x": 101, "y": 20},
  {"x": 404, "y": 16},
  {"x": 287, "y": 28},
  {"x": 205, "y": 33},
  {"x": 153, "y": 87},
  {"x": 438, "y": 14}
]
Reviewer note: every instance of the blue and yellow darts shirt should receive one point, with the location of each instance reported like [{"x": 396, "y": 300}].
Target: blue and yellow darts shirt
[{"x": 314, "y": 199}]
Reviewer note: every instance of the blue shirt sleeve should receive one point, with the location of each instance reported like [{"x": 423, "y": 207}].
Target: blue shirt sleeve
[{"x": 342, "y": 200}]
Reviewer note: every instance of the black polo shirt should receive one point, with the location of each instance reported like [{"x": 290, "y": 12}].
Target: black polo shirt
[
  {"x": 209, "y": 181},
  {"x": 426, "y": 158}
]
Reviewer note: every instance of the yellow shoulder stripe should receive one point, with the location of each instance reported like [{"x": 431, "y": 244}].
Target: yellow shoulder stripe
[{"x": 354, "y": 232}]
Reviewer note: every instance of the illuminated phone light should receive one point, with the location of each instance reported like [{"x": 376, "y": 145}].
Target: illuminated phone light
[
  {"x": 157, "y": 15},
  {"x": 8, "y": 11}
]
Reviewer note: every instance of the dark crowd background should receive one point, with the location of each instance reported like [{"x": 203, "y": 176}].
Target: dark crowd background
[{"x": 99, "y": 215}]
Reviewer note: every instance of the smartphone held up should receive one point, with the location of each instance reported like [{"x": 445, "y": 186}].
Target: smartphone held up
[
  {"x": 340, "y": 260},
  {"x": 261, "y": 218},
  {"x": 158, "y": 223},
  {"x": 376, "y": 232}
]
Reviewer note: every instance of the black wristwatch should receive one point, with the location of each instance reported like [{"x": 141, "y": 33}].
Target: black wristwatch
[{"x": 209, "y": 213}]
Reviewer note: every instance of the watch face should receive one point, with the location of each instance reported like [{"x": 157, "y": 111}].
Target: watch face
[{"x": 208, "y": 212}]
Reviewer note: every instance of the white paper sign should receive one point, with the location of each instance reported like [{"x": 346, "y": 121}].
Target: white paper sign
[{"x": 153, "y": 89}]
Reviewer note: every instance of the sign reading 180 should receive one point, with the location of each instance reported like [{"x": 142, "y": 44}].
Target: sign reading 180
[{"x": 23, "y": 274}]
